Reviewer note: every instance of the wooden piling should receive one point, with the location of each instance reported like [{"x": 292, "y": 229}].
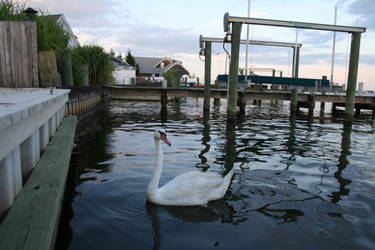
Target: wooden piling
[
  {"x": 233, "y": 71},
  {"x": 163, "y": 99},
  {"x": 353, "y": 71},
  {"x": 242, "y": 102},
  {"x": 293, "y": 101},
  {"x": 311, "y": 105},
  {"x": 207, "y": 76}
]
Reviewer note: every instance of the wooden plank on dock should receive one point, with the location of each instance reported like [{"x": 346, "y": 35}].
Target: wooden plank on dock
[{"x": 32, "y": 221}]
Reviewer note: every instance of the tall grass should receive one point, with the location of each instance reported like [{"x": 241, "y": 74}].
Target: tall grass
[
  {"x": 100, "y": 66},
  {"x": 51, "y": 36},
  {"x": 10, "y": 11}
]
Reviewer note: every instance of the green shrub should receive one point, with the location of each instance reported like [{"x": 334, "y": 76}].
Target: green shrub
[
  {"x": 100, "y": 66},
  {"x": 51, "y": 36}
]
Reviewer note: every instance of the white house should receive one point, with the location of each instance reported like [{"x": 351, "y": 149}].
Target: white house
[
  {"x": 60, "y": 19},
  {"x": 123, "y": 72}
]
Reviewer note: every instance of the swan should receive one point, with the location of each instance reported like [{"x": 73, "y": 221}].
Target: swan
[{"x": 189, "y": 189}]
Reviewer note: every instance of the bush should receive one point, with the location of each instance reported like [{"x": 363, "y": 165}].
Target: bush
[
  {"x": 51, "y": 36},
  {"x": 100, "y": 66}
]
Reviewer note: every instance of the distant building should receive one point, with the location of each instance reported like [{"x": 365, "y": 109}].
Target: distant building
[
  {"x": 157, "y": 67},
  {"x": 60, "y": 19},
  {"x": 123, "y": 72}
]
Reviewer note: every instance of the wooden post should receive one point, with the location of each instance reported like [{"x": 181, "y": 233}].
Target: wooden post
[
  {"x": 207, "y": 76},
  {"x": 311, "y": 105},
  {"x": 293, "y": 101},
  {"x": 352, "y": 76},
  {"x": 322, "y": 104},
  {"x": 164, "y": 99},
  {"x": 233, "y": 71},
  {"x": 242, "y": 102}
]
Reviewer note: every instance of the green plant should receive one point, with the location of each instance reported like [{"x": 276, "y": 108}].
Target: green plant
[
  {"x": 11, "y": 11},
  {"x": 77, "y": 61},
  {"x": 100, "y": 66},
  {"x": 131, "y": 61},
  {"x": 51, "y": 36},
  {"x": 173, "y": 77}
]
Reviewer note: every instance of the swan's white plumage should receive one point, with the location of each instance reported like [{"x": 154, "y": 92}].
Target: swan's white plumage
[{"x": 189, "y": 189}]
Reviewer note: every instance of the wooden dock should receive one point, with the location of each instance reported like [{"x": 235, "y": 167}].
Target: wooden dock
[
  {"x": 140, "y": 93},
  {"x": 32, "y": 221}
]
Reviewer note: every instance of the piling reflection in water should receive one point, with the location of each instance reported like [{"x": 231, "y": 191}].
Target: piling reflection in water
[{"x": 343, "y": 162}]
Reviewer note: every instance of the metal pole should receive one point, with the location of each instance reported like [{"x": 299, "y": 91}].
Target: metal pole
[
  {"x": 233, "y": 71},
  {"x": 352, "y": 76},
  {"x": 295, "y": 55},
  {"x": 247, "y": 41},
  {"x": 207, "y": 76},
  {"x": 333, "y": 49},
  {"x": 296, "y": 67}
]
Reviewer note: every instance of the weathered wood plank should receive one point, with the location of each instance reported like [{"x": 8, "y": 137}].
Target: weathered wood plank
[
  {"x": 32, "y": 221},
  {"x": 18, "y": 55},
  {"x": 3, "y": 76}
]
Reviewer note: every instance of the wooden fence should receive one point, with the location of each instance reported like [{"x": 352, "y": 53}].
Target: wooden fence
[{"x": 18, "y": 55}]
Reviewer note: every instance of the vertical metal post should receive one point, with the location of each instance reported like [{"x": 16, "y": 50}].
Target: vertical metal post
[
  {"x": 333, "y": 49},
  {"x": 352, "y": 76},
  {"x": 297, "y": 63},
  {"x": 207, "y": 76},
  {"x": 233, "y": 70},
  {"x": 247, "y": 42}
]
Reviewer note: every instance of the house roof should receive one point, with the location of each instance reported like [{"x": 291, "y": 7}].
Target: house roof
[
  {"x": 119, "y": 62},
  {"x": 147, "y": 65}
]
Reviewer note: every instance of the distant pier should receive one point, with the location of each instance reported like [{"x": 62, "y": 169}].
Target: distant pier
[{"x": 300, "y": 100}]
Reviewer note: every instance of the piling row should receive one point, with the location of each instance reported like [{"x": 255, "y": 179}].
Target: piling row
[{"x": 76, "y": 106}]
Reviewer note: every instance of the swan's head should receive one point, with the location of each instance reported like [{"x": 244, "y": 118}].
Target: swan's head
[{"x": 161, "y": 134}]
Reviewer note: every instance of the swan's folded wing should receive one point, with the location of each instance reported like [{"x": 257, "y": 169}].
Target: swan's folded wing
[{"x": 193, "y": 188}]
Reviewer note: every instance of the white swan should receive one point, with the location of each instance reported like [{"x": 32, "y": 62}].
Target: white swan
[{"x": 189, "y": 189}]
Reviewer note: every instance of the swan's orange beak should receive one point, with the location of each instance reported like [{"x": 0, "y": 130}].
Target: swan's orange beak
[{"x": 164, "y": 138}]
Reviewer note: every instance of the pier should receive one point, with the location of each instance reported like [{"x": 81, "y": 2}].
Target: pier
[
  {"x": 298, "y": 99},
  {"x": 29, "y": 118},
  {"x": 232, "y": 26}
]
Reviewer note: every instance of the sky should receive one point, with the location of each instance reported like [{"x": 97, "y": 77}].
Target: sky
[{"x": 172, "y": 28}]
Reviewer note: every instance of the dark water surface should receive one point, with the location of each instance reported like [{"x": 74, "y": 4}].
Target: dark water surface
[{"x": 299, "y": 183}]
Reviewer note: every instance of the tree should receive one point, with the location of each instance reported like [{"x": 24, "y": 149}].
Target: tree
[
  {"x": 130, "y": 59},
  {"x": 173, "y": 77}
]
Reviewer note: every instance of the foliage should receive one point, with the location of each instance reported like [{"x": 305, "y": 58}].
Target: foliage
[
  {"x": 10, "y": 11},
  {"x": 51, "y": 36},
  {"x": 173, "y": 77},
  {"x": 100, "y": 66},
  {"x": 131, "y": 61},
  {"x": 77, "y": 61}
]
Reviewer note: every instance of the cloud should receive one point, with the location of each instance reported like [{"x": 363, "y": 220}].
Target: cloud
[
  {"x": 365, "y": 10},
  {"x": 82, "y": 13}
]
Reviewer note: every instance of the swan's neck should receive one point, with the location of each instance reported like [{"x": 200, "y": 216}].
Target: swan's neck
[{"x": 154, "y": 183}]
